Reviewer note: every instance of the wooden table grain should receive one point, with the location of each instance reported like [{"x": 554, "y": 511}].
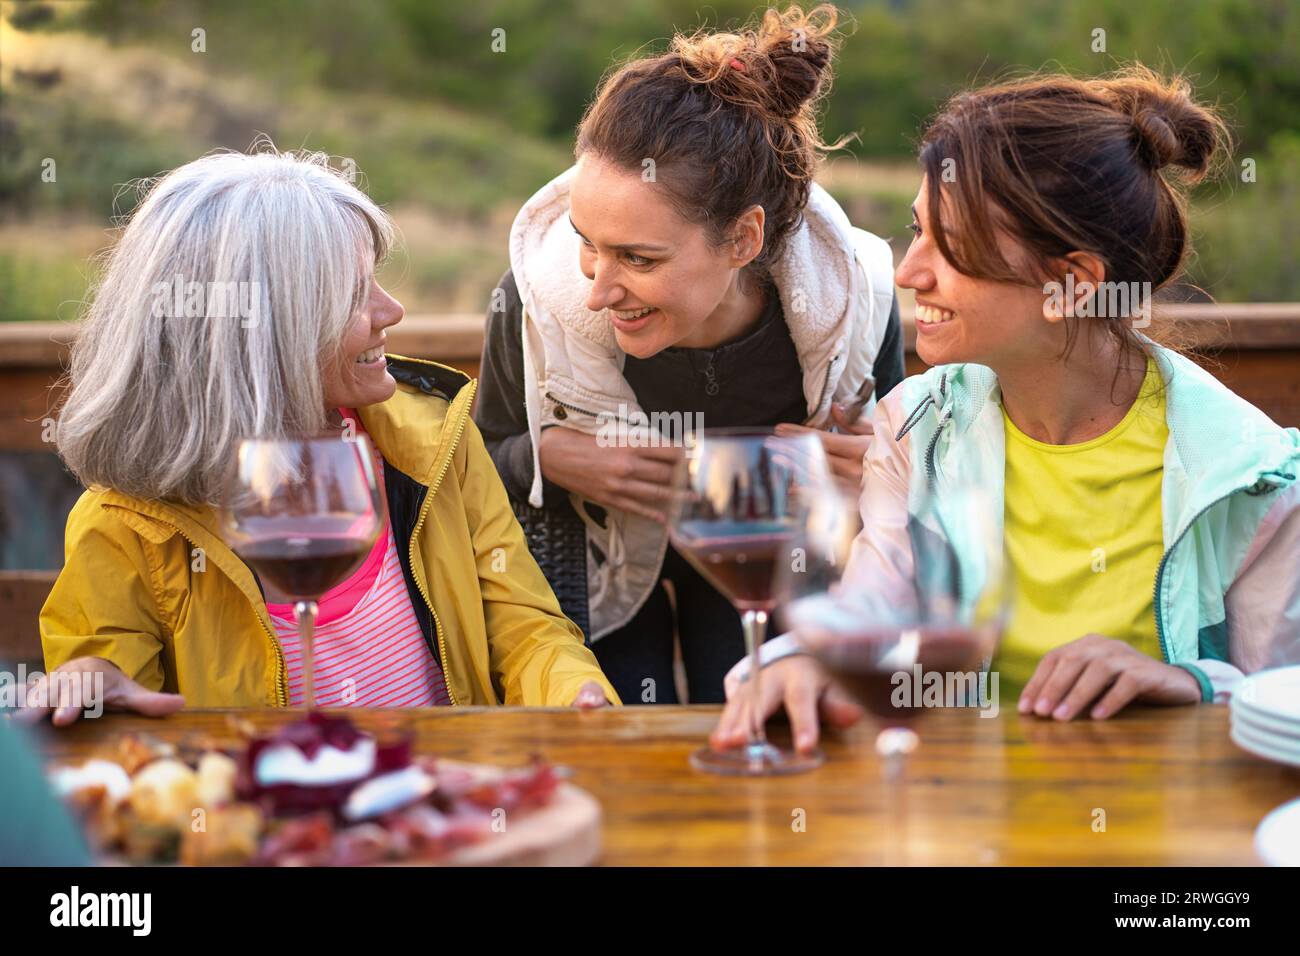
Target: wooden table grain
[{"x": 1156, "y": 786}]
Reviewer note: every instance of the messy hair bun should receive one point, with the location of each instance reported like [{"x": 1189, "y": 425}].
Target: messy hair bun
[
  {"x": 1169, "y": 127},
  {"x": 779, "y": 69},
  {"x": 730, "y": 120},
  {"x": 1063, "y": 164}
]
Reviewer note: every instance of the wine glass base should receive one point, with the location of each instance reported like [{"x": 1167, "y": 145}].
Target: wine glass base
[{"x": 756, "y": 760}]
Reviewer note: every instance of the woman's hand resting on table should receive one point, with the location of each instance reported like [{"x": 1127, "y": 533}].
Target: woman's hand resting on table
[
  {"x": 805, "y": 689},
  {"x": 119, "y": 693},
  {"x": 123, "y": 694},
  {"x": 590, "y": 696},
  {"x": 1106, "y": 675},
  {"x": 1093, "y": 670}
]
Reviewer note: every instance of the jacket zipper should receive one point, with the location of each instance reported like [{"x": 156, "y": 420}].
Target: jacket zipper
[
  {"x": 574, "y": 408},
  {"x": 914, "y": 419},
  {"x": 711, "y": 387},
  {"x": 419, "y": 523},
  {"x": 1164, "y": 559},
  {"x": 826, "y": 386},
  {"x": 1160, "y": 573},
  {"x": 281, "y": 682},
  {"x": 930, "y": 475}
]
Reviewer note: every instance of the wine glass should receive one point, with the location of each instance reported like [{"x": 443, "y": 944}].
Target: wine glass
[
  {"x": 821, "y": 549},
  {"x": 304, "y": 513},
  {"x": 740, "y": 496},
  {"x": 916, "y": 617}
]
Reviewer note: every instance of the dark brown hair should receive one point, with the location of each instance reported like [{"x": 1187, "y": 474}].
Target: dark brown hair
[
  {"x": 730, "y": 120},
  {"x": 1066, "y": 164}
]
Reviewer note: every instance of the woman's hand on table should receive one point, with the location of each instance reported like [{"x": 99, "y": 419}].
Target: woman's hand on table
[
  {"x": 844, "y": 449},
  {"x": 590, "y": 696},
  {"x": 803, "y": 687},
  {"x": 119, "y": 693},
  {"x": 638, "y": 480},
  {"x": 1104, "y": 675}
]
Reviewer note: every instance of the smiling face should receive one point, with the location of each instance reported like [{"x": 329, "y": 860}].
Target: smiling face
[
  {"x": 359, "y": 375},
  {"x": 965, "y": 319},
  {"x": 655, "y": 275}
]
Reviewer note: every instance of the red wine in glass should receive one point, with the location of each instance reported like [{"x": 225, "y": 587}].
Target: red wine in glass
[
  {"x": 305, "y": 559},
  {"x": 737, "y": 559},
  {"x": 304, "y": 512},
  {"x": 867, "y": 664},
  {"x": 740, "y": 499},
  {"x": 910, "y": 614}
]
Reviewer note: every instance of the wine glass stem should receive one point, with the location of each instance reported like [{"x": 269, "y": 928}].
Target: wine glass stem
[
  {"x": 893, "y": 744},
  {"x": 305, "y": 613},
  {"x": 754, "y": 624}
]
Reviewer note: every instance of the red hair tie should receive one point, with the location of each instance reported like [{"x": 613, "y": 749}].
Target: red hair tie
[{"x": 737, "y": 65}]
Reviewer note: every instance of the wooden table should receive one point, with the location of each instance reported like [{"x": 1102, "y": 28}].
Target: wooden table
[{"x": 1171, "y": 785}]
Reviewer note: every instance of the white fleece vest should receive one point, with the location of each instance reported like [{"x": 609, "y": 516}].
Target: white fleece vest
[{"x": 836, "y": 287}]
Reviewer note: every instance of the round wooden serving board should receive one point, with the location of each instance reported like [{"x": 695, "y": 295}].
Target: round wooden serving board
[{"x": 563, "y": 832}]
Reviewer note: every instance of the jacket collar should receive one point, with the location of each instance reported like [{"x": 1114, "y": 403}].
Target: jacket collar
[
  {"x": 1218, "y": 442},
  {"x": 414, "y": 434}
]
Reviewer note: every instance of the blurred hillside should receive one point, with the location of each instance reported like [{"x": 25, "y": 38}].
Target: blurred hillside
[{"x": 452, "y": 136}]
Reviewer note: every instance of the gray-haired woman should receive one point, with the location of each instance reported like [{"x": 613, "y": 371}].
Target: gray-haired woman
[{"x": 241, "y": 301}]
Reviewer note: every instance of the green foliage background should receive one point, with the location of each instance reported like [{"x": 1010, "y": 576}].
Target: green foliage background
[{"x": 453, "y": 136}]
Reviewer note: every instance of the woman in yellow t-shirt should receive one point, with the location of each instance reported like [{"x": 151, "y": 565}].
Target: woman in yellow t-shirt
[
  {"x": 1083, "y": 535},
  {"x": 1151, "y": 516}
]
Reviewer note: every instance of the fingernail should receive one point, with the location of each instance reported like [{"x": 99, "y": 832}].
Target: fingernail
[
  {"x": 1099, "y": 713},
  {"x": 1060, "y": 712},
  {"x": 1023, "y": 705},
  {"x": 1043, "y": 706}
]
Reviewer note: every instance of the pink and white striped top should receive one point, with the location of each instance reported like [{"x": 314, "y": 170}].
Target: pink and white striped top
[
  {"x": 369, "y": 649},
  {"x": 373, "y": 656}
]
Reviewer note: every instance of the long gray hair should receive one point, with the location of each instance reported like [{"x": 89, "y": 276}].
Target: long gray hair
[{"x": 228, "y": 293}]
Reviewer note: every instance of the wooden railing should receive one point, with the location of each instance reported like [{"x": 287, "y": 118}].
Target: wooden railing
[
  {"x": 22, "y": 593},
  {"x": 1254, "y": 349}
]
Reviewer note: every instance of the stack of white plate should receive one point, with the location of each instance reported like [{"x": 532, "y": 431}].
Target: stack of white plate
[
  {"x": 1277, "y": 841},
  {"x": 1265, "y": 713}
]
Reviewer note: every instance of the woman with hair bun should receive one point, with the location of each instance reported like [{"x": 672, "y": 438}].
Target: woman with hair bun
[
  {"x": 1093, "y": 435},
  {"x": 687, "y": 264}
]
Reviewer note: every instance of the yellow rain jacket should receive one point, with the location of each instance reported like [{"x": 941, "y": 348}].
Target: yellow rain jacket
[{"x": 151, "y": 586}]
